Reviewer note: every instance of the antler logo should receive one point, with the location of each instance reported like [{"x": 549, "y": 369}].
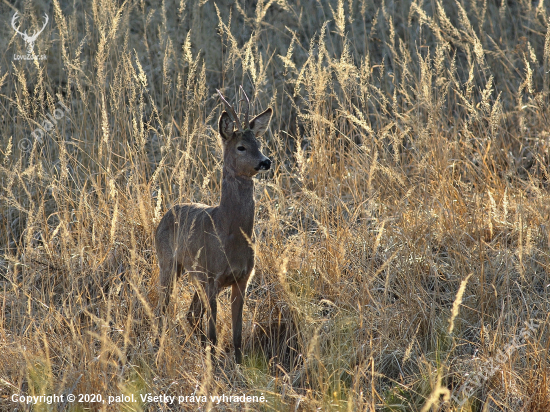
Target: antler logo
[{"x": 28, "y": 39}]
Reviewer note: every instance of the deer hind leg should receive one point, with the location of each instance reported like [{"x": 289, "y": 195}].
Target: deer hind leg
[
  {"x": 206, "y": 292},
  {"x": 168, "y": 276},
  {"x": 194, "y": 315},
  {"x": 169, "y": 272}
]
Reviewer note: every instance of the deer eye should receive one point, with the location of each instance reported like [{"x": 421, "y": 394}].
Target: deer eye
[{"x": 241, "y": 148}]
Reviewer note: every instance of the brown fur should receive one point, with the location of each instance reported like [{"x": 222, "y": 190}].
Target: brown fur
[{"x": 213, "y": 243}]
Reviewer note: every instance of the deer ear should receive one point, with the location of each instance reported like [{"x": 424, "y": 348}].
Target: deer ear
[
  {"x": 259, "y": 124},
  {"x": 225, "y": 126}
]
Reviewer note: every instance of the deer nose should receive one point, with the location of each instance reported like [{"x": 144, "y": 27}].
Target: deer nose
[{"x": 264, "y": 164}]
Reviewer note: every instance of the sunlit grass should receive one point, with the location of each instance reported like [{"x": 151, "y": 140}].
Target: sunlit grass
[{"x": 410, "y": 145}]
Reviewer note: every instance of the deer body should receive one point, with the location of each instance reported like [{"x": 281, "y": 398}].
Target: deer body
[
  {"x": 213, "y": 243},
  {"x": 208, "y": 240}
]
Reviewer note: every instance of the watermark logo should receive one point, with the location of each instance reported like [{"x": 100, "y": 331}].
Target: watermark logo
[
  {"x": 29, "y": 39},
  {"x": 476, "y": 379},
  {"x": 47, "y": 124}
]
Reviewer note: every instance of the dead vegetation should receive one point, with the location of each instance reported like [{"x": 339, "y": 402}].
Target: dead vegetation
[{"x": 410, "y": 143}]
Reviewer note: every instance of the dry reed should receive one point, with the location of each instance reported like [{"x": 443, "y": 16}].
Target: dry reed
[{"x": 411, "y": 147}]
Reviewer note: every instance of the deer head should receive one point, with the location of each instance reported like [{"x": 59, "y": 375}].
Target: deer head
[{"x": 242, "y": 149}]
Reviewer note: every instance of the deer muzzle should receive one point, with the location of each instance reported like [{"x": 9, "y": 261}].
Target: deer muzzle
[{"x": 264, "y": 164}]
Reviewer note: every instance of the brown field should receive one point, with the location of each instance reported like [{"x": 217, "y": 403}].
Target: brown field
[{"x": 402, "y": 234}]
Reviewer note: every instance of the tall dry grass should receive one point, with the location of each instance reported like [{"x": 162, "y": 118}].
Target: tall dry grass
[{"x": 411, "y": 148}]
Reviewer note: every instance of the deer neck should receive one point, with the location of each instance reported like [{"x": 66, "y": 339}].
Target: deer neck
[{"x": 237, "y": 204}]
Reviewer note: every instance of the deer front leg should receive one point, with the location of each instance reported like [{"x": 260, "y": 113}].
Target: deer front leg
[
  {"x": 237, "y": 300},
  {"x": 212, "y": 295}
]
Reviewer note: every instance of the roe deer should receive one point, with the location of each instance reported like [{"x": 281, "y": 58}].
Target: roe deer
[{"x": 213, "y": 243}]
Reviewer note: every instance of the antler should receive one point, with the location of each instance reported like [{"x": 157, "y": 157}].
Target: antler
[
  {"x": 246, "y": 123},
  {"x": 26, "y": 37},
  {"x": 35, "y": 34},
  {"x": 13, "y": 19},
  {"x": 231, "y": 110}
]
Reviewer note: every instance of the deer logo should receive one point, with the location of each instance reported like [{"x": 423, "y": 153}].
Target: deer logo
[{"x": 28, "y": 39}]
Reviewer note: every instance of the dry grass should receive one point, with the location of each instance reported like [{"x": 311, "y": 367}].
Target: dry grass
[{"x": 411, "y": 147}]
